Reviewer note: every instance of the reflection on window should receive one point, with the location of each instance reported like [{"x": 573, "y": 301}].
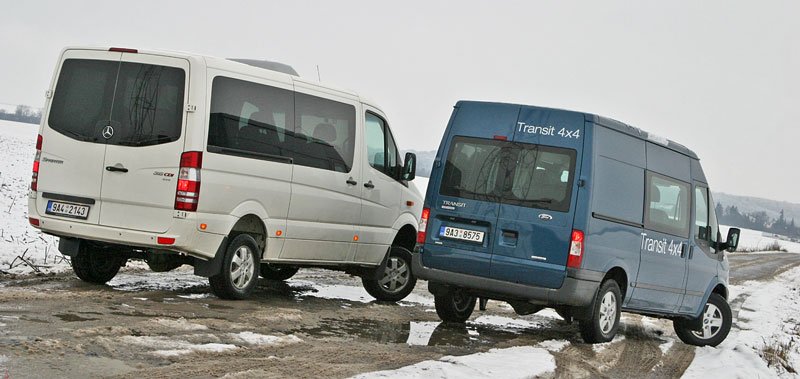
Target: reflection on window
[
  {"x": 668, "y": 205},
  {"x": 382, "y": 152},
  {"x": 262, "y": 120}
]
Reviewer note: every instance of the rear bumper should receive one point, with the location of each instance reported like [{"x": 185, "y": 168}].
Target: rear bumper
[
  {"x": 188, "y": 239},
  {"x": 578, "y": 289}
]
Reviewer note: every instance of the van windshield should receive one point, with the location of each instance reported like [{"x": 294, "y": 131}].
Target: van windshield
[
  {"x": 142, "y": 103},
  {"x": 521, "y": 174}
]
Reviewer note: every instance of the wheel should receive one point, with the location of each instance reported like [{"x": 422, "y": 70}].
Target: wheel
[
  {"x": 716, "y": 324},
  {"x": 397, "y": 281},
  {"x": 604, "y": 321},
  {"x": 94, "y": 265},
  {"x": 238, "y": 276},
  {"x": 280, "y": 273},
  {"x": 455, "y": 306}
]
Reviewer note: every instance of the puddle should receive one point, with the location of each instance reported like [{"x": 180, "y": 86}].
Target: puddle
[
  {"x": 69, "y": 317},
  {"x": 415, "y": 333}
]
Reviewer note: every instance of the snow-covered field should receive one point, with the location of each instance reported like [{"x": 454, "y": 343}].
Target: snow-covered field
[{"x": 23, "y": 249}]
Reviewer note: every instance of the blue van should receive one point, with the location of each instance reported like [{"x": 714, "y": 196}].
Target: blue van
[{"x": 551, "y": 208}]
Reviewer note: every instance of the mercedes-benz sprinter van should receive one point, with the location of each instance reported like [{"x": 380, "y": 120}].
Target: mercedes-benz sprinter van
[
  {"x": 551, "y": 208},
  {"x": 234, "y": 168}
]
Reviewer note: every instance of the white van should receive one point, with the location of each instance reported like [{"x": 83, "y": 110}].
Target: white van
[{"x": 230, "y": 167}]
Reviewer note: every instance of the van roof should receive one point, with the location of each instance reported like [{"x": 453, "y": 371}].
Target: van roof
[
  {"x": 232, "y": 65},
  {"x": 609, "y": 123}
]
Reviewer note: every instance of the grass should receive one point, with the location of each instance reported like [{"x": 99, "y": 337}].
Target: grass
[
  {"x": 777, "y": 354},
  {"x": 774, "y": 246}
]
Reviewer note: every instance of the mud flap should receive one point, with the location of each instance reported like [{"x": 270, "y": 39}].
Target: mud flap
[
  {"x": 69, "y": 246},
  {"x": 381, "y": 269},
  {"x": 213, "y": 266}
]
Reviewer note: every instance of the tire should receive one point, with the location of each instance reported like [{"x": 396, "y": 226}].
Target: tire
[
  {"x": 397, "y": 281},
  {"x": 603, "y": 323},
  {"x": 96, "y": 266},
  {"x": 239, "y": 275},
  {"x": 455, "y": 306},
  {"x": 279, "y": 273},
  {"x": 716, "y": 324}
]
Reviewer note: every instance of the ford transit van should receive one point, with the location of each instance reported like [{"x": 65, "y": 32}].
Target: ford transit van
[
  {"x": 237, "y": 168},
  {"x": 543, "y": 208}
]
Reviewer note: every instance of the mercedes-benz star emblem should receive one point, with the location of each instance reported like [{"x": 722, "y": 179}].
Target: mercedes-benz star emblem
[{"x": 108, "y": 132}]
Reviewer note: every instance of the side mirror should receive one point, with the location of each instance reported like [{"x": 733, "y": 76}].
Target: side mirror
[
  {"x": 410, "y": 167},
  {"x": 733, "y": 239}
]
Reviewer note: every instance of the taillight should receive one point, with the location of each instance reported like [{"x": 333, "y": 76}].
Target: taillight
[
  {"x": 34, "y": 221},
  {"x": 188, "y": 191},
  {"x": 35, "y": 176},
  {"x": 423, "y": 225},
  {"x": 575, "y": 249},
  {"x": 123, "y": 50}
]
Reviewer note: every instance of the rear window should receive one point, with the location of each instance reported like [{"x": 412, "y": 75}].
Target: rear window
[
  {"x": 142, "y": 103},
  {"x": 521, "y": 174}
]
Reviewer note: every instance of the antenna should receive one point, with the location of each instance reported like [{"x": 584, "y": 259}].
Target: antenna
[{"x": 319, "y": 78}]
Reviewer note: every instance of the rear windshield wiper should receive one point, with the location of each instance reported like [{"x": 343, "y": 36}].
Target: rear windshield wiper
[
  {"x": 76, "y": 135},
  {"x": 161, "y": 139}
]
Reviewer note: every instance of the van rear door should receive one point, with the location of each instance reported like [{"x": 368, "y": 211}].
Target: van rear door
[
  {"x": 114, "y": 137},
  {"x": 142, "y": 157},
  {"x": 465, "y": 200},
  {"x": 535, "y": 218}
]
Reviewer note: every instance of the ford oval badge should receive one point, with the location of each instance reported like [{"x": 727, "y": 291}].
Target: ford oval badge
[{"x": 545, "y": 217}]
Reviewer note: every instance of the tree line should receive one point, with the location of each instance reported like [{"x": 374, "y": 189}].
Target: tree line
[
  {"x": 731, "y": 215},
  {"x": 22, "y": 113}
]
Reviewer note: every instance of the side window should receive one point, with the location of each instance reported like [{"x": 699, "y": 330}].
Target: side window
[
  {"x": 250, "y": 119},
  {"x": 667, "y": 205},
  {"x": 325, "y": 133},
  {"x": 701, "y": 230},
  {"x": 382, "y": 152},
  {"x": 712, "y": 219}
]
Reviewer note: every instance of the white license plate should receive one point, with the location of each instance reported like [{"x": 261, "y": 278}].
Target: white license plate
[
  {"x": 461, "y": 234},
  {"x": 67, "y": 210}
]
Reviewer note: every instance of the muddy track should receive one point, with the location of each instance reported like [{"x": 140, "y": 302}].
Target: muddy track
[{"x": 168, "y": 325}]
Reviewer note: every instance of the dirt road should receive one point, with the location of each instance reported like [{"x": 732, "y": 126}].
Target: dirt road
[{"x": 319, "y": 324}]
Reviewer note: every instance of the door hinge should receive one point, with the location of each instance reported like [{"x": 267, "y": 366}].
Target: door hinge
[
  {"x": 191, "y": 108},
  {"x": 48, "y": 94}
]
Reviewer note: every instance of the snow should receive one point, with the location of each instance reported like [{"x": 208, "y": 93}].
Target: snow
[
  {"x": 168, "y": 347},
  {"x": 180, "y": 324},
  {"x": 420, "y": 333},
  {"x": 769, "y": 314},
  {"x": 506, "y": 323},
  {"x": 19, "y": 240},
  {"x": 757, "y": 240},
  {"x": 251, "y": 338},
  {"x": 352, "y": 293},
  {"x": 513, "y": 362}
]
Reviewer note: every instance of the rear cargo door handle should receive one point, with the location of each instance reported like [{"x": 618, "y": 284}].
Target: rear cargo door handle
[
  {"x": 116, "y": 169},
  {"x": 509, "y": 237},
  {"x": 351, "y": 181},
  {"x": 369, "y": 185}
]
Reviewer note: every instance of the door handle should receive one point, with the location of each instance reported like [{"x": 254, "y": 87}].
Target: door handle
[
  {"x": 116, "y": 169},
  {"x": 351, "y": 182},
  {"x": 369, "y": 185}
]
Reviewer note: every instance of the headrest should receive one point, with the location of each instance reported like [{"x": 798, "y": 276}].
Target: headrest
[
  {"x": 325, "y": 132},
  {"x": 655, "y": 194}
]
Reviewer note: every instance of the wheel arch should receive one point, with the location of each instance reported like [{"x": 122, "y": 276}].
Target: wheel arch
[{"x": 618, "y": 274}]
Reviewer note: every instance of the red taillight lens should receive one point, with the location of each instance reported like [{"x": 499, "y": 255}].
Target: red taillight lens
[
  {"x": 35, "y": 175},
  {"x": 33, "y": 221},
  {"x": 423, "y": 225},
  {"x": 165, "y": 240},
  {"x": 188, "y": 192},
  {"x": 575, "y": 249}
]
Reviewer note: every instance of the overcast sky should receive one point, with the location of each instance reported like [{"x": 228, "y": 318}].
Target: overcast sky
[{"x": 720, "y": 77}]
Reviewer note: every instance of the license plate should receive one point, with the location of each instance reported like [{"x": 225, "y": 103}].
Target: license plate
[
  {"x": 461, "y": 234},
  {"x": 67, "y": 210}
]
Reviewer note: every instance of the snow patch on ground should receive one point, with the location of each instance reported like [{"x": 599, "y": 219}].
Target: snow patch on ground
[
  {"x": 769, "y": 316},
  {"x": 168, "y": 347},
  {"x": 553, "y": 345},
  {"x": 178, "y": 279},
  {"x": 757, "y": 240},
  {"x": 251, "y": 338},
  {"x": 514, "y": 362},
  {"x": 353, "y": 293},
  {"x": 600, "y": 347},
  {"x": 506, "y": 323},
  {"x": 180, "y": 324}
]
